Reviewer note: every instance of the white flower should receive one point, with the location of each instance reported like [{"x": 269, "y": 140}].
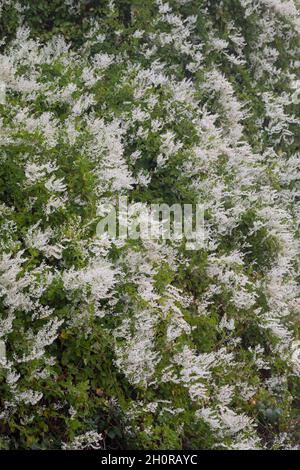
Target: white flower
[{"x": 55, "y": 185}]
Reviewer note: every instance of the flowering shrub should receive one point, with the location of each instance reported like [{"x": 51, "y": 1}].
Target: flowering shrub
[{"x": 144, "y": 343}]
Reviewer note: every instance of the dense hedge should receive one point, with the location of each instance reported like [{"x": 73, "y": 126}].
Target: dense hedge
[{"x": 123, "y": 343}]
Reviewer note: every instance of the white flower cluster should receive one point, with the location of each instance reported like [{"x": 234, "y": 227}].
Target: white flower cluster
[{"x": 197, "y": 335}]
